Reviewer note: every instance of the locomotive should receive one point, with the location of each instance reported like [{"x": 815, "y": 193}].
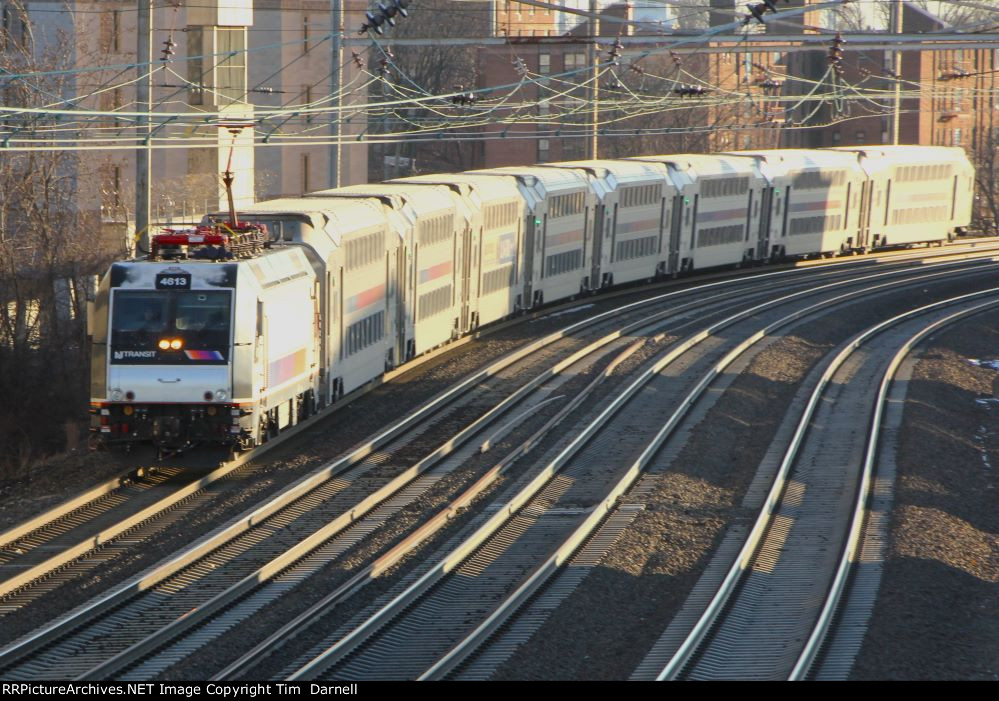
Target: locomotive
[{"x": 231, "y": 333}]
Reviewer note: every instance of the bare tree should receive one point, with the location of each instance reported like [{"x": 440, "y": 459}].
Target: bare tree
[
  {"x": 439, "y": 69},
  {"x": 49, "y": 248}
]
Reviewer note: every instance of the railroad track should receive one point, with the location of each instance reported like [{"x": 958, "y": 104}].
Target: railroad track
[
  {"x": 368, "y": 498},
  {"x": 46, "y": 543},
  {"x": 430, "y": 614},
  {"x": 57, "y": 540},
  {"x": 766, "y": 619},
  {"x": 276, "y": 564}
]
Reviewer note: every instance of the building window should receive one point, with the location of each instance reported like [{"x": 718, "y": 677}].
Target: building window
[
  {"x": 861, "y": 137},
  {"x": 575, "y": 61},
  {"x": 542, "y": 150},
  {"x": 307, "y": 101},
  {"x": 305, "y": 34},
  {"x": 544, "y": 63},
  {"x": 957, "y": 137},
  {"x": 305, "y": 173},
  {"x": 195, "y": 66},
  {"x": 231, "y": 72}
]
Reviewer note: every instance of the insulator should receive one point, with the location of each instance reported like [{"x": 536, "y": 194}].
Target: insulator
[
  {"x": 375, "y": 21},
  {"x": 757, "y": 10},
  {"x": 615, "y": 51},
  {"x": 388, "y": 13},
  {"x": 168, "y": 48}
]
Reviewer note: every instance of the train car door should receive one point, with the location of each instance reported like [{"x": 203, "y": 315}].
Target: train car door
[
  {"x": 466, "y": 277},
  {"x": 391, "y": 321},
  {"x": 530, "y": 234},
  {"x": 613, "y": 237},
  {"x": 675, "y": 224},
  {"x": 598, "y": 245},
  {"x": 400, "y": 304},
  {"x": 763, "y": 235},
  {"x": 411, "y": 310},
  {"x": 787, "y": 211},
  {"x": 864, "y": 222}
]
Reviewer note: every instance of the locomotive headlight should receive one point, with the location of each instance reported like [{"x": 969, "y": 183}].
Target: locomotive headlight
[
  {"x": 115, "y": 395},
  {"x": 221, "y": 395},
  {"x": 164, "y": 344},
  {"x": 128, "y": 410},
  {"x": 176, "y": 344}
]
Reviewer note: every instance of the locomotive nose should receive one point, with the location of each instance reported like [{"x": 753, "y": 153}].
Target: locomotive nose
[{"x": 175, "y": 384}]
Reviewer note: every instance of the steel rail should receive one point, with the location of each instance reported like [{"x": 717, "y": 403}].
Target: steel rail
[
  {"x": 821, "y": 630},
  {"x": 244, "y": 522},
  {"x": 565, "y": 551},
  {"x": 92, "y": 541},
  {"x": 49, "y": 516},
  {"x": 437, "y": 572},
  {"x": 420, "y": 535},
  {"x": 712, "y": 613},
  {"x": 302, "y": 548}
]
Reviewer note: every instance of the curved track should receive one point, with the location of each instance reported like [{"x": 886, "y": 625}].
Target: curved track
[{"x": 321, "y": 507}]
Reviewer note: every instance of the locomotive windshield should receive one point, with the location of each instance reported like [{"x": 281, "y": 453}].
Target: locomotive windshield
[{"x": 170, "y": 326}]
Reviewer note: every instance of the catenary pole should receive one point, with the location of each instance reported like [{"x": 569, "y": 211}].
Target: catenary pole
[{"x": 143, "y": 96}]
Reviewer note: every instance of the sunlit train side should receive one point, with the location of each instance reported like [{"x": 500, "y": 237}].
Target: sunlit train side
[
  {"x": 231, "y": 348},
  {"x": 717, "y": 215},
  {"x": 915, "y": 194},
  {"x": 630, "y": 240},
  {"x": 561, "y": 207},
  {"x": 497, "y": 212},
  {"x": 817, "y": 203}
]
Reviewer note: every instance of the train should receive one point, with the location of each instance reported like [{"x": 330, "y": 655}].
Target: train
[{"x": 231, "y": 333}]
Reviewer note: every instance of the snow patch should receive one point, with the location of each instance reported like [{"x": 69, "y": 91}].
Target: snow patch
[{"x": 993, "y": 364}]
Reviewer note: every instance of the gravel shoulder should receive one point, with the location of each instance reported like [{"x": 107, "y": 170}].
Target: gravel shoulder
[
  {"x": 605, "y": 627},
  {"x": 937, "y": 612}
]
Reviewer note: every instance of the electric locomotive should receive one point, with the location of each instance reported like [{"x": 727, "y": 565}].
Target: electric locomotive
[{"x": 211, "y": 338}]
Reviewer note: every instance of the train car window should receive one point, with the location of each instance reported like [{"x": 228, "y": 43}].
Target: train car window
[
  {"x": 142, "y": 319},
  {"x": 719, "y": 235}
]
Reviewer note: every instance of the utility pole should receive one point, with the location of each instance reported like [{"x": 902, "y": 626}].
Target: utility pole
[
  {"x": 143, "y": 96},
  {"x": 594, "y": 55},
  {"x": 896, "y": 28},
  {"x": 336, "y": 88}
]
